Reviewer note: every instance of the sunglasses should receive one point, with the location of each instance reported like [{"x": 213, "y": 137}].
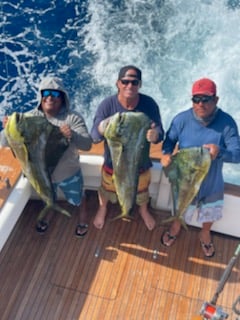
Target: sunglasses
[
  {"x": 133, "y": 82},
  {"x": 52, "y": 93},
  {"x": 204, "y": 99}
]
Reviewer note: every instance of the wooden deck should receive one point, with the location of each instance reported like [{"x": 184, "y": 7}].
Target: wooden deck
[{"x": 111, "y": 273}]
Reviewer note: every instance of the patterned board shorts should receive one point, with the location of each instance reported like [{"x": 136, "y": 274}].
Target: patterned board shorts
[
  {"x": 72, "y": 188},
  {"x": 107, "y": 188},
  {"x": 207, "y": 212}
]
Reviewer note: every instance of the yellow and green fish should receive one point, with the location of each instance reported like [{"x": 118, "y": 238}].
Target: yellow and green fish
[
  {"x": 186, "y": 172},
  {"x": 126, "y": 138},
  {"x": 38, "y": 145}
]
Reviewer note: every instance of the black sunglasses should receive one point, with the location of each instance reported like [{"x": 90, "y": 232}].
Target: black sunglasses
[
  {"x": 52, "y": 93},
  {"x": 203, "y": 99},
  {"x": 133, "y": 82}
]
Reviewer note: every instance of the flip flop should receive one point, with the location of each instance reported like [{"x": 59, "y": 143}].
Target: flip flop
[
  {"x": 208, "y": 249},
  {"x": 42, "y": 226},
  {"x": 81, "y": 230},
  {"x": 170, "y": 239}
]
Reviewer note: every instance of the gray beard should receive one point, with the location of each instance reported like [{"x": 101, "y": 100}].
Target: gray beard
[{"x": 206, "y": 120}]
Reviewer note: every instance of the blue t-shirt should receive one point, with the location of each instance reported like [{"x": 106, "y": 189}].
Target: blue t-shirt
[
  {"x": 110, "y": 106},
  {"x": 187, "y": 131}
]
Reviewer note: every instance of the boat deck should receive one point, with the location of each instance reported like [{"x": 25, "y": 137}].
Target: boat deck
[{"x": 110, "y": 273}]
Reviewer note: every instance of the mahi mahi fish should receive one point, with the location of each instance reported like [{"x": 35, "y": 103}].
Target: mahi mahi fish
[
  {"x": 38, "y": 145},
  {"x": 126, "y": 138},
  {"x": 186, "y": 172}
]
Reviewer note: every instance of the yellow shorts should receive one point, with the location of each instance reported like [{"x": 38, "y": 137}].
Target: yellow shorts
[{"x": 108, "y": 190}]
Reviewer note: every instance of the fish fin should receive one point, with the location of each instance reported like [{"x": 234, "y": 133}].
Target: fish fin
[
  {"x": 171, "y": 219},
  {"x": 55, "y": 207}
]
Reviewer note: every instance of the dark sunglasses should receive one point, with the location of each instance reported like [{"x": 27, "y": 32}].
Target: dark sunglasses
[
  {"x": 204, "y": 99},
  {"x": 52, "y": 93},
  {"x": 133, "y": 82}
]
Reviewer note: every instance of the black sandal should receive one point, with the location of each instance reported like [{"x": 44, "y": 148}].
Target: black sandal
[
  {"x": 42, "y": 226},
  {"x": 169, "y": 238},
  {"x": 81, "y": 230},
  {"x": 208, "y": 249}
]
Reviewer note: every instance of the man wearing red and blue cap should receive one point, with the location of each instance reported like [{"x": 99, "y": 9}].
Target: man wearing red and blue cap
[{"x": 203, "y": 125}]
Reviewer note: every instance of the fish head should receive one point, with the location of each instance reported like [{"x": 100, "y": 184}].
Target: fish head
[
  {"x": 120, "y": 123},
  {"x": 186, "y": 162},
  {"x": 114, "y": 128},
  {"x": 200, "y": 156},
  {"x": 18, "y": 130},
  {"x": 24, "y": 127},
  {"x": 11, "y": 129}
]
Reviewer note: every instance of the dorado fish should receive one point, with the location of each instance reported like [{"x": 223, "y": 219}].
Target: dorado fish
[
  {"x": 126, "y": 138},
  {"x": 186, "y": 172},
  {"x": 38, "y": 145}
]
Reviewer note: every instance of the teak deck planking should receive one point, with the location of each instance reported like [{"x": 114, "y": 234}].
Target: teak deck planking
[
  {"x": 57, "y": 276},
  {"x": 10, "y": 172}
]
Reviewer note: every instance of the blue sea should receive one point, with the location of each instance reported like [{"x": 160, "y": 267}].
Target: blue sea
[{"x": 174, "y": 42}]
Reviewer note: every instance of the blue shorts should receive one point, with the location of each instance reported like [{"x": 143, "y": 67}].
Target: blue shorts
[{"x": 72, "y": 188}]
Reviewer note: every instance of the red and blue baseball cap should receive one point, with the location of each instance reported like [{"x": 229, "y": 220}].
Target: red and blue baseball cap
[{"x": 204, "y": 87}]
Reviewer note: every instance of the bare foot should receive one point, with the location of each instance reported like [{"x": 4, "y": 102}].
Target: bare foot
[
  {"x": 148, "y": 219},
  {"x": 205, "y": 236},
  {"x": 99, "y": 219}
]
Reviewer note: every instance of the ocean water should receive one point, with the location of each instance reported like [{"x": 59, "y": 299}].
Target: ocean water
[{"x": 174, "y": 42}]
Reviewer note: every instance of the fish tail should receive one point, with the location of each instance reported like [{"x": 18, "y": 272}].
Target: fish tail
[
  {"x": 123, "y": 215},
  {"x": 183, "y": 223},
  {"x": 120, "y": 216},
  {"x": 168, "y": 220},
  {"x": 181, "y": 219},
  {"x": 55, "y": 207},
  {"x": 43, "y": 212}
]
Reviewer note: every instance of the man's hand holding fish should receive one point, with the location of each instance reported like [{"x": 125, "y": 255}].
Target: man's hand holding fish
[
  {"x": 46, "y": 140},
  {"x": 209, "y": 137},
  {"x": 127, "y": 122}
]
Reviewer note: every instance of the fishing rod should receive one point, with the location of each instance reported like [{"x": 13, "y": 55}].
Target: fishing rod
[{"x": 209, "y": 310}]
